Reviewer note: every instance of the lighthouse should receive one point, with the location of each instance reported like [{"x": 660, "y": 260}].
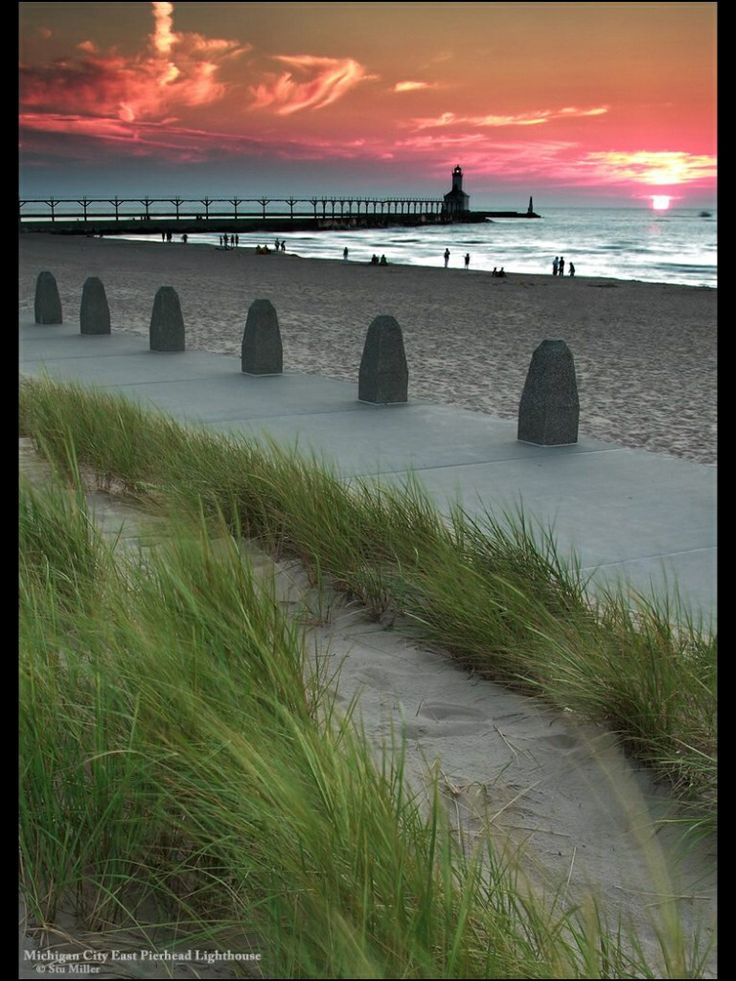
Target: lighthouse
[{"x": 456, "y": 200}]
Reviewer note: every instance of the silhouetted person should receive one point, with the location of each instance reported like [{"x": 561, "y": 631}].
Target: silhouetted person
[
  {"x": 185, "y": 238},
  {"x": 383, "y": 261},
  {"x": 495, "y": 272},
  {"x": 283, "y": 245},
  {"x": 447, "y": 257},
  {"x": 237, "y": 240},
  {"x": 562, "y": 265},
  {"x": 467, "y": 260},
  {"x": 345, "y": 254},
  {"x": 572, "y": 269},
  {"x": 276, "y": 244},
  {"x": 555, "y": 266},
  {"x": 501, "y": 272},
  {"x": 163, "y": 236},
  {"x": 374, "y": 259}
]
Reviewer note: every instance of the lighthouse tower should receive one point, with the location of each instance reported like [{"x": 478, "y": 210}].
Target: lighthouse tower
[{"x": 456, "y": 200}]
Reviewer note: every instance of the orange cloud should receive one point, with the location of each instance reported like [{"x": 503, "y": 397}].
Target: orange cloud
[
  {"x": 328, "y": 79},
  {"x": 163, "y": 36},
  {"x": 177, "y": 69}
]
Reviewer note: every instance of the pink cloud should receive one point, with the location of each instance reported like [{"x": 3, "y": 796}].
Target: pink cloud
[
  {"x": 327, "y": 79},
  {"x": 176, "y": 70},
  {"x": 160, "y": 139}
]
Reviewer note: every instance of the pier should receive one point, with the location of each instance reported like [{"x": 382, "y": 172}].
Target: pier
[
  {"x": 124, "y": 215},
  {"x": 111, "y": 216}
]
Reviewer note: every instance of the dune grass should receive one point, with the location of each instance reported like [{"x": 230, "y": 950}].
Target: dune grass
[
  {"x": 494, "y": 593},
  {"x": 184, "y": 770}
]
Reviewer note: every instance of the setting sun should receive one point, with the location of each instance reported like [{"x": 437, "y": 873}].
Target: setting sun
[{"x": 661, "y": 202}]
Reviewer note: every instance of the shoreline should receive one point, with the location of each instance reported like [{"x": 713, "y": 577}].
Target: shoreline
[
  {"x": 249, "y": 248},
  {"x": 645, "y": 353}
]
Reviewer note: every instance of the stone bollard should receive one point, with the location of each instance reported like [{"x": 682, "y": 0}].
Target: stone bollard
[
  {"x": 167, "y": 324},
  {"x": 261, "y": 352},
  {"x": 94, "y": 313},
  {"x": 549, "y": 407},
  {"x": 383, "y": 376},
  {"x": 48, "y": 302}
]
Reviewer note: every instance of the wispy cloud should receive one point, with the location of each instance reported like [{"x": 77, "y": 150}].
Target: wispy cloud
[
  {"x": 313, "y": 83},
  {"x": 74, "y": 136},
  {"x": 493, "y": 120},
  {"x": 412, "y": 86}
]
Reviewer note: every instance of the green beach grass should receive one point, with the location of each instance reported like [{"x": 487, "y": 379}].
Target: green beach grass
[
  {"x": 180, "y": 775},
  {"x": 184, "y": 767},
  {"x": 494, "y": 594}
]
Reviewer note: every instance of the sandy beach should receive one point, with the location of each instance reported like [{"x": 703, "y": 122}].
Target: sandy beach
[{"x": 645, "y": 354}]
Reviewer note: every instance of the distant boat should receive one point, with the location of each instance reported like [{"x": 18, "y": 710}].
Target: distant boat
[{"x": 705, "y": 214}]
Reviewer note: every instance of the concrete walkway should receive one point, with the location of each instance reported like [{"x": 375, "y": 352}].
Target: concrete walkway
[{"x": 627, "y": 513}]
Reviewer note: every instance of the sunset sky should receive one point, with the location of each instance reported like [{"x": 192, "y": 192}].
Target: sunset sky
[{"x": 575, "y": 103}]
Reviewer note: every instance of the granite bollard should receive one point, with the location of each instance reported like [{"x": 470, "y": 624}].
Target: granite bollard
[
  {"x": 261, "y": 352},
  {"x": 94, "y": 313},
  {"x": 47, "y": 306},
  {"x": 549, "y": 407},
  {"x": 384, "y": 375},
  {"x": 167, "y": 324}
]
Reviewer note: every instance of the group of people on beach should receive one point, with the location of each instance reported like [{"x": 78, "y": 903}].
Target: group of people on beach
[
  {"x": 375, "y": 261},
  {"x": 466, "y": 261},
  {"x": 558, "y": 267},
  {"x": 280, "y": 246},
  {"x": 229, "y": 241},
  {"x": 169, "y": 237}
]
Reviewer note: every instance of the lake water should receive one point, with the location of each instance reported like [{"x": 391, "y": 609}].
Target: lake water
[{"x": 677, "y": 246}]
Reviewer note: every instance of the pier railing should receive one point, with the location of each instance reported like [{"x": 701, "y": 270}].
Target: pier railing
[{"x": 204, "y": 209}]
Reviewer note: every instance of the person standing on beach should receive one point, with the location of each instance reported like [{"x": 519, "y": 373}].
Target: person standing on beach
[
  {"x": 572, "y": 270},
  {"x": 467, "y": 260},
  {"x": 555, "y": 266},
  {"x": 345, "y": 254},
  {"x": 562, "y": 265},
  {"x": 447, "y": 257}
]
